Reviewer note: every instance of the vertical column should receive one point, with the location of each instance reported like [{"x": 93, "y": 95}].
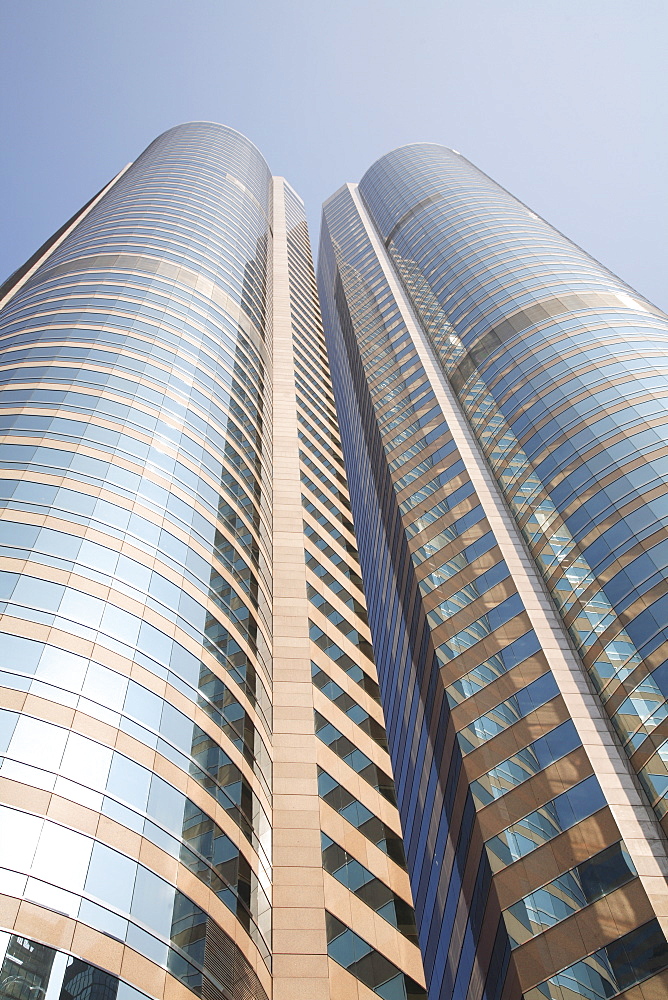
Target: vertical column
[{"x": 300, "y": 941}]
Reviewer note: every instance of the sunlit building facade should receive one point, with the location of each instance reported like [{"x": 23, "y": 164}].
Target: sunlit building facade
[
  {"x": 196, "y": 795},
  {"x": 503, "y": 401},
  {"x": 216, "y": 718}
]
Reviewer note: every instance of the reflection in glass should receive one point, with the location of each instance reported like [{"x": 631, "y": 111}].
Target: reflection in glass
[{"x": 31, "y": 971}]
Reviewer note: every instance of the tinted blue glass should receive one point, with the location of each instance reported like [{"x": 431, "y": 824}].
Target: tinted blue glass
[
  {"x": 570, "y": 892},
  {"x": 546, "y": 823},
  {"x": 561, "y": 370},
  {"x": 508, "y": 712},
  {"x": 607, "y": 972},
  {"x": 524, "y": 764},
  {"x": 137, "y": 352}
]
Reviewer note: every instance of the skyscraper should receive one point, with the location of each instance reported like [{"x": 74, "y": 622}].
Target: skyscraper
[
  {"x": 196, "y": 795},
  {"x": 503, "y": 405},
  {"x": 201, "y": 726}
]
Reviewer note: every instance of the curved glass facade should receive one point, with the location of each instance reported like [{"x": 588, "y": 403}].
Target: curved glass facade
[
  {"x": 184, "y": 638},
  {"x": 561, "y": 369},
  {"x": 136, "y": 563},
  {"x": 216, "y": 718},
  {"x": 485, "y": 367},
  {"x": 28, "y": 968}
]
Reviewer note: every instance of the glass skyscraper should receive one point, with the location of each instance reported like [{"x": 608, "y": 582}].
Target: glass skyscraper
[
  {"x": 503, "y": 401},
  {"x": 217, "y": 718},
  {"x": 195, "y": 787}
]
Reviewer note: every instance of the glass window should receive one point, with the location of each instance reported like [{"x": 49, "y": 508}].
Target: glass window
[
  {"x": 524, "y": 764},
  {"x": 8, "y": 722},
  {"x": 20, "y": 654},
  {"x": 36, "y": 593},
  {"x": 623, "y": 963},
  {"x": 146, "y": 944},
  {"x": 26, "y": 967},
  {"x": 86, "y": 761},
  {"x": 111, "y": 877},
  {"x": 587, "y": 882},
  {"x": 524, "y": 701},
  {"x": 64, "y": 669},
  {"x": 52, "y": 897},
  {"x": 166, "y": 804},
  {"x": 129, "y": 781},
  {"x": 120, "y": 624},
  {"x": 98, "y": 556},
  {"x": 143, "y": 705},
  {"x": 81, "y": 608},
  {"x": 357, "y": 814},
  {"x": 540, "y": 826},
  {"x": 62, "y": 856},
  {"x": 19, "y": 834},
  {"x": 487, "y": 672},
  {"x": 38, "y": 743},
  {"x": 371, "y": 890},
  {"x": 105, "y": 686},
  {"x": 368, "y": 965},
  {"x": 153, "y": 902}
]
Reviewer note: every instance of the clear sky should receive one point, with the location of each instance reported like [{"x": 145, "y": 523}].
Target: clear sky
[{"x": 561, "y": 101}]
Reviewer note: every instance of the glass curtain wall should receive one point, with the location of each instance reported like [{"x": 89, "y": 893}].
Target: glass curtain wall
[
  {"x": 136, "y": 575},
  {"x": 462, "y": 332},
  {"x": 561, "y": 369}
]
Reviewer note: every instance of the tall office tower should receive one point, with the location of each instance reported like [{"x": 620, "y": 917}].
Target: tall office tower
[
  {"x": 503, "y": 403},
  {"x": 195, "y": 790}
]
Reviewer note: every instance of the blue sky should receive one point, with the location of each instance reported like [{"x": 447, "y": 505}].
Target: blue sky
[{"x": 561, "y": 101}]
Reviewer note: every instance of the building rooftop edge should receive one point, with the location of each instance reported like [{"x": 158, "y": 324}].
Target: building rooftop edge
[
  {"x": 406, "y": 145},
  {"x": 395, "y": 149},
  {"x": 227, "y": 128},
  {"x": 346, "y": 185}
]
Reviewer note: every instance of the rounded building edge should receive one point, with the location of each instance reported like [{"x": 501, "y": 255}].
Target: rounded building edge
[{"x": 228, "y": 129}]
